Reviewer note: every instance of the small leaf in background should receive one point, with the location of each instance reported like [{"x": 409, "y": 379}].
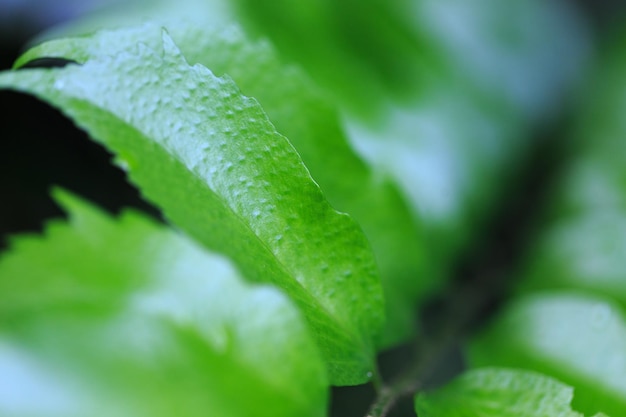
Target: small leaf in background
[
  {"x": 578, "y": 339},
  {"x": 125, "y": 317},
  {"x": 585, "y": 252},
  {"x": 496, "y": 392},
  {"x": 595, "y": 176},
  {"x": 211, "y": 160},
  {"x": 443, "y": 151},
  {"x": 592, "y": 183}
]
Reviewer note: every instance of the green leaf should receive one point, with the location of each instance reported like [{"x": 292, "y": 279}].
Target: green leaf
[
  {"x": 453, "y": 146},
  {"x": 210, "y": 158},
  {"x": 579, "y": 339},
  {"x": 595, "y": 178},
  {"x": 601, "y": 123},
  {"x": 584, "y": 252},
  {"x": 448, "y": 141},
  {"x": 594, "y": 182},
  {"x": 524, "y": 62},
  {"x": 495, "y": 392},
  {"x": 125, "y": 317},
  {"x": 370, "y": 41},
  {"x": 447, "y": 154},
  {"x": 302, "y": 113},
  {"x": 444, "y": 146},
  {"x": 396, "y": 49}
]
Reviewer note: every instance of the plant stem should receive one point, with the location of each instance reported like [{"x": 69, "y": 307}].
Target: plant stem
[
  {"x": 410, "y": 381},
  {"x": 463, "y": 306}
]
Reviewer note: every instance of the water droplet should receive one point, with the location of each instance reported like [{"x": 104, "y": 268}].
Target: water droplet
[{"x": 59, "y": 84}]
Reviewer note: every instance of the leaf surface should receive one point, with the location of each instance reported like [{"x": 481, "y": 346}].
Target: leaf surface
[
  {"x": 210, "y": 158},
  {"x": 497, "y": 392},
  {"x": 125, "y": 317},
  {"x": 579, "y": 339},
  {"x": 300, "y": 111},
  {"x": 304, "y": 115}
]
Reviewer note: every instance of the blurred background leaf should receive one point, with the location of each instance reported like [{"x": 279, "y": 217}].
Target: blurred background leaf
[{"x": 126, "y": 317}]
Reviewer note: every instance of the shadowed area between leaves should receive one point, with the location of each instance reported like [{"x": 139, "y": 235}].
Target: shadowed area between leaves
[
  {"x": 39, "y": 148},
  {"x": 48, "y": 62}
]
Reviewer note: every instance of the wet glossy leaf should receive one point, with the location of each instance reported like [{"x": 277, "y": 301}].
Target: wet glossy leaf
[
  {"x": 210, "y": 158},
  {"x": 304, "y": 114}
]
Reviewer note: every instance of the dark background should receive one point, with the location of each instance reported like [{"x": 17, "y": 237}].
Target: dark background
[{"x": 39, "y": 148}]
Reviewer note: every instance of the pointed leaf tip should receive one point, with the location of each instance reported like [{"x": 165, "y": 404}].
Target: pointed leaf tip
[{"x": 169, "y": 46}]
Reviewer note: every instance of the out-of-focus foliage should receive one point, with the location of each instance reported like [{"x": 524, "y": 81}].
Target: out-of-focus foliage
[
  {"x": 567, "y": 318},
  {"x": 126, "y": 317},
  {"x": 583, "y": 242}
]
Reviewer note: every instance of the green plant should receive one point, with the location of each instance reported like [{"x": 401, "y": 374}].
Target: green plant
[{"x": 261, "y": 292}]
